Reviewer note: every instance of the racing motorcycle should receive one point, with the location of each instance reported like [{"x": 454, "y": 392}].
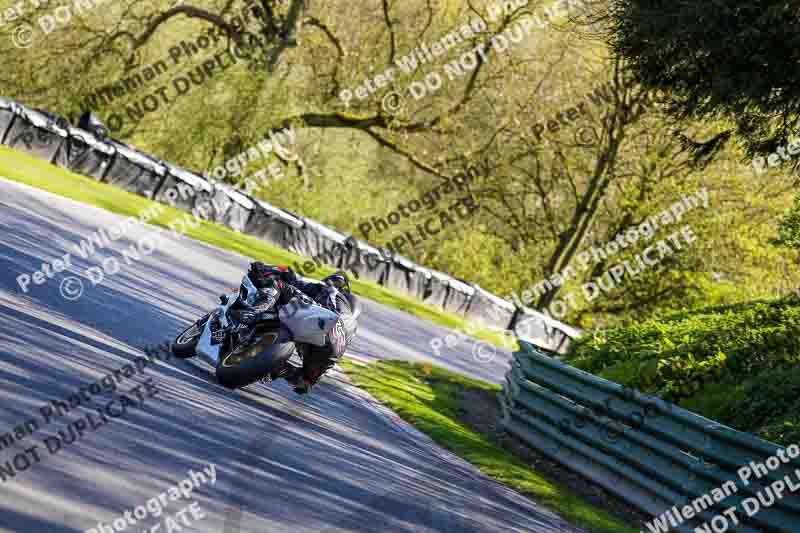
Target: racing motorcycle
[{"x": 248, "y": 340}]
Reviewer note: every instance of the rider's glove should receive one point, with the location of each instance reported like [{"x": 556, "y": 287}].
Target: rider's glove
[{"x": 291, "y": 292}]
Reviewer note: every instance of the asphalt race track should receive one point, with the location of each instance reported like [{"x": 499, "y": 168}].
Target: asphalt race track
[{"x": 331, "y": 462}]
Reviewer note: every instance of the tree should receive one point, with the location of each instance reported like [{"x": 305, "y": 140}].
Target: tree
[
  {"x": 545, "y": 195},
  {"x": 735, "y": 59}
]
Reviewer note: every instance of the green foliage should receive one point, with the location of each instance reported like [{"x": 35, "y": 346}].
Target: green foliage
[
  {"x": 735, "y": 59},
  {"x": 769, "y": 405},
  {"x": 789, "y": 228},
  {"x": 737, "y": 364},
  {"x": 766, "y": 404},
  {"x": 730, "y": 59}
]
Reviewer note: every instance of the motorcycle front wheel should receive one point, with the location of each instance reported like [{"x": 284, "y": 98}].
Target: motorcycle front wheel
[{"x": 186, "y": 342}]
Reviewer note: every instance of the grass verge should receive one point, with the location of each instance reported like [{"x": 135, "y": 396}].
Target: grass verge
[
  {"x": 25, "y": 169},
  {"x": 435, "y": 401}
]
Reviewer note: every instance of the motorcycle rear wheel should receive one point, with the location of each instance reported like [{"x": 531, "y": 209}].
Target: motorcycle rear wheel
[{"x": 243, "y": 366}]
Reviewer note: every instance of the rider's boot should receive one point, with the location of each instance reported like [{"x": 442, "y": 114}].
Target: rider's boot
[{"x": 296, "y": 378}]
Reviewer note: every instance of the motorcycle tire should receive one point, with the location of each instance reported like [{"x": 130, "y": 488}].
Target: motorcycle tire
[
  {"x": 186, "y": 342},
  {"x": 241, "y": 367}
]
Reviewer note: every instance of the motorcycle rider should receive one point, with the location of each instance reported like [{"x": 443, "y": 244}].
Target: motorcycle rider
[{"x": 332, "y": 294}]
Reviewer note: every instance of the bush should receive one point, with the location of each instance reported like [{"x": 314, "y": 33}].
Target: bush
[
  {"x": 736, "y": 364},
  {"x": 767, "y": 405}
]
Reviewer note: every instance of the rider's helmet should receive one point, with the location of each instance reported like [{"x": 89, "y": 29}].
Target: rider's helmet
[
  {"x": 339, "y": 281},
  {"x": 263, "y": 275}
]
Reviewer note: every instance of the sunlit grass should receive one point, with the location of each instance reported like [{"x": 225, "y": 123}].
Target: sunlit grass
[{"x": 428, "y": 397}]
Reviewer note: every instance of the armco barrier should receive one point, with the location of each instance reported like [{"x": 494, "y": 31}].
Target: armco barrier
[
  {"x": 402, "y": 276},
  {"x": 183, "y": 189},
  {"x": 50, "y": 137},
  {"x": 652, "y": 454},
  {"x": 325, "y": 244},
  {"x": 431, "y": 286},
  {"x": 370, "y": 264},
  {"x": 459, "y": 295}
]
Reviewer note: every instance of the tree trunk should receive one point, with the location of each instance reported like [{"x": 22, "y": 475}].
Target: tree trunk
[{"x": 585, "y": 212}]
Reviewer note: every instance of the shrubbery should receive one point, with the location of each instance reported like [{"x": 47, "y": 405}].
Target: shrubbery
[{"x": 737, "y": 364}]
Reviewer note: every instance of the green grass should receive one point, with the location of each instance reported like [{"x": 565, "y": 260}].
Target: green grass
[
  {"x": 428, "y": 397},
  {"x": 22, "y": 168}
]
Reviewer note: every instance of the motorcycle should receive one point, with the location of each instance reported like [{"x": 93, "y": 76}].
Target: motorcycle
[{"x": 250, "y": 343}]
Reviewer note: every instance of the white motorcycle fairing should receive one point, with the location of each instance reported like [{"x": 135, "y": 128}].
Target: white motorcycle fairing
[
  {"x": 309, "y": 323},
  {"x": 206, "y": 350},
  {"x": 210, "y": 352}
]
